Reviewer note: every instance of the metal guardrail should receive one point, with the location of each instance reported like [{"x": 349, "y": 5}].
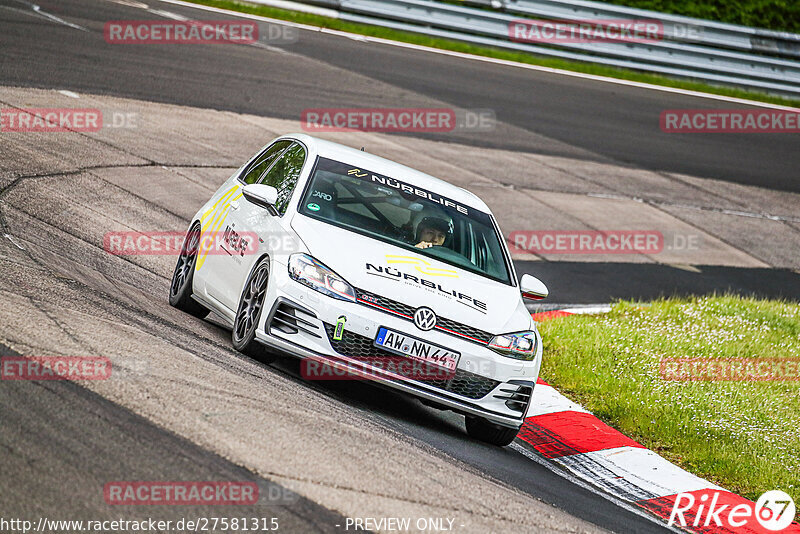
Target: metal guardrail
[
  {"x": 676, "y": 27},
  {"x": 713, "y": 52}
]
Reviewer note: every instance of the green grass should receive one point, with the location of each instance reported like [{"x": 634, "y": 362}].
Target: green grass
[
  {"x": 520, "y": 57},
  {"x": 742, "y": 435},
  {"x": 780, "y": 15}
]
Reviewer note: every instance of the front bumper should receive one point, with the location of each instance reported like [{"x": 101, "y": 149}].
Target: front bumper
[{"x": 485, "y": 384}]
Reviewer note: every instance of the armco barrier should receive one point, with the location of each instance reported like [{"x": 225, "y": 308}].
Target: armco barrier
[
  {"x": 712, "y": 52},
  {"x": 679, "y": 28}
]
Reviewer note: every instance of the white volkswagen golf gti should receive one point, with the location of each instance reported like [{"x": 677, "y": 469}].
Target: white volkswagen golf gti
[{"x": 365, "y": 268}]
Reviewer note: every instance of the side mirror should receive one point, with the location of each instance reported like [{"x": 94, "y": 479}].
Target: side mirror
[
  {"x": 532, "y": 288},
  {"x": 262, "y": 195}
]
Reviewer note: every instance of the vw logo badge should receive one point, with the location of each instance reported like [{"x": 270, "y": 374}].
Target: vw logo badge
[{"x": 424, "y": 318}]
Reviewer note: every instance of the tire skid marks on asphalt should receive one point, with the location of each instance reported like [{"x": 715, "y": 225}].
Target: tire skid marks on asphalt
[
  {"x": 606, "y": 477},
  {"x": 649, "y": 471}
]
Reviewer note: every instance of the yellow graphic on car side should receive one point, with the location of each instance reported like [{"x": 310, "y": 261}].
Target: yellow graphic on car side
[
  {"x": 421, "y": 265},
  {"x": 211, "y": 222}
]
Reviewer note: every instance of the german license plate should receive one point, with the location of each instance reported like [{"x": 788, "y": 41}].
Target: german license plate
[{"x": 416, "y": 349}]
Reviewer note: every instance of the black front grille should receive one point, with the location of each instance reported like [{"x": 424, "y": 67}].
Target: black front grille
[
  {"x": 407, "y": 312},
  {"x": 362, "y": 349}
]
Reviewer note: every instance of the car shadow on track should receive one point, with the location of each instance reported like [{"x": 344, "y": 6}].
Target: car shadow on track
[
  {"x": 379, "y": 401},
  {"x": 376, "y": 400},
  {"x": 443, "y": 432}
]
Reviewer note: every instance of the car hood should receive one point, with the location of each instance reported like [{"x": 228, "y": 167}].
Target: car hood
[{"x": 415, "y": 279}]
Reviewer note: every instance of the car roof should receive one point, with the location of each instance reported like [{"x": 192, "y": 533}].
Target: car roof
[{"x": 392, "y": 169}]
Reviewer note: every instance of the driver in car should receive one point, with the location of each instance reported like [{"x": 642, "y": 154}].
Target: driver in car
[{"x": 432, "y": 231}]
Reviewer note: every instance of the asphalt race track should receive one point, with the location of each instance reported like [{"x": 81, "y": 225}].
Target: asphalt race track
[
  {"x": 40, "y": 461},
  {"x": 583, "y": 121},
  {"x": 579, "y": 116},
  {"x": 347, "y": 447},
  {"x": 184, "y": 405}
]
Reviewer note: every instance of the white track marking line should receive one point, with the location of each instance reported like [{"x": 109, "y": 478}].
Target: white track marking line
[
  {"x": 296, "y": 6},
  {"x": 131, "y": 3},
  {"x": 14, "y": 241},
  {"x": 37, "y": 10},
  {"x": 69, "y": 93},
  {"x": 181, "y": 18},
  {"x": 641, "y": 85},
  {"x": 168, "y": 15},
  {"x": 588, "y": 310},
  {"x": 46, "y": 15}
]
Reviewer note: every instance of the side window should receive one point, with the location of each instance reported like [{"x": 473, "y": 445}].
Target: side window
[
  {"x": 262, "y": 163},
  {"x": 283, "y": 175}
]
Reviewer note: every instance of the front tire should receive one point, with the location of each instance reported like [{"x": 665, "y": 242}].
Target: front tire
[
  {"x": 248, "y": 315},
  {"x": 483, "y": 430},
  {"x": 180, "y": 289}
]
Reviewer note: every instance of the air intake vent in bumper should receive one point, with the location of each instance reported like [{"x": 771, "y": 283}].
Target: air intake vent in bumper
[
  {"x": 517, "y": 395},
  {"x": 290, "y": 318}
]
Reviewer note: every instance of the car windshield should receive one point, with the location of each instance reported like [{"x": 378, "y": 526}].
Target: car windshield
[{"x": 408, "y": 216}]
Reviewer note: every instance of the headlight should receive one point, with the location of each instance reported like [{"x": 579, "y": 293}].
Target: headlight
[
  {"x": 308, "y": 271},
  {"x": 521, "y": 345}
]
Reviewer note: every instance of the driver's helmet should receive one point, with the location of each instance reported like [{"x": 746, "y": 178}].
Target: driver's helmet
[{"x": 436, "y": 220}]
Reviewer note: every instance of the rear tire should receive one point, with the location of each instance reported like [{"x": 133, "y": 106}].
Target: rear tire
[
  {"x": 483, "y": 430},
  {"x": 180, "y": 289},
  {"x": 248, "y": 315}
]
